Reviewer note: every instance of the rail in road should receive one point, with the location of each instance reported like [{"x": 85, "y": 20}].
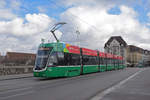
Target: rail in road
[{"x": 85, "y": 87}]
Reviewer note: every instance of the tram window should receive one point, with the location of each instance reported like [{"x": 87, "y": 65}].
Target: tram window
[
  {"x": 75, "y": 59},
  {"x": 90, "y": 60},
  {"x": 105, "y": 60},
  {"x": 120, "y": 61},
  {"x": 71, "y": 59},
  {"x": 113, "y": 61},
  {"x": 60, "y": 58},
  {"x": 116, "y": 62},
  {"x": 52, "y": 60},
  {"x": 86, "y": 60},
  {"x": 102, "y": 61},
  {"x": 109, "y": 60}
]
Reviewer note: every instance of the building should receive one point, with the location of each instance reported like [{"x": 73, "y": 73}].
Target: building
[
  {"x": 134, "y": 55},
  {"x": 16, "y": 58},
  {"x": 117, "y": 46},
  {"x": 146, "y": 58},
  {"x": 137, "y": 55},
  {"x": 1, "y": 58}
]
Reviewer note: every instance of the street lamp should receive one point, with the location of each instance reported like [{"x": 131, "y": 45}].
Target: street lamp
[{"x": 56, "y": 27}]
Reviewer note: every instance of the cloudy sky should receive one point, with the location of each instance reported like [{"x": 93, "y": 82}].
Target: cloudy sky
[{"x": 23, "y": 23}]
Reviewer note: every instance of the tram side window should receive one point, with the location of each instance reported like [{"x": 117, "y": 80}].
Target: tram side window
[
  {"x": 60, "y": 58},
  {"x": 53, "y": 59},
  {"x": 71, "y": 59},
  {"x": 113, "y": 61},
  {"x": 117, "y": 62},
  {"x": 108, "y": 61},
  {"x": 120, "y": 61},
  {"x": 101, "y": 61},
  {"x": 90, "y": 60},
  {"x": 105, "y": 61}
]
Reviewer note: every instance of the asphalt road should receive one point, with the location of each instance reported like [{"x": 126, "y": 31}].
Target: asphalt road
[{"x": 126, "y": 84}]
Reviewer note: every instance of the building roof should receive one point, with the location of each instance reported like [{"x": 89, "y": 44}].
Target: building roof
[
  {"x": 133, "y": 48},
  {"x": 18, "y": 54},
  {"x": 118, "y": 38}
]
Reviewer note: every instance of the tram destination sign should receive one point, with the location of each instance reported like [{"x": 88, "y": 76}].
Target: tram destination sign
[{"x": 43, "y": 48}]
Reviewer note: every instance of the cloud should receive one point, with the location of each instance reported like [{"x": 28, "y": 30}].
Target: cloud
[
  {"x": 15, "y": 4},
  {"x": 90, "y": 18},
  {"x": 6, "y": 14},
  {"x": 32, "y": 24},
  {"x": 148, "y": 15},
  {"x": 41, "y": 9},
  {"x": 100, "y": 3},
  {"x": 24, "y": 35},
  {"x": 6, "y": 9},
  {"x": 2, "y": 3},
  {"x": 96, "y": 25}
]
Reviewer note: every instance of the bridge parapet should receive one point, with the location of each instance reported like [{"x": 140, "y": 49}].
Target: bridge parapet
[{"x": 9, "y": 70}]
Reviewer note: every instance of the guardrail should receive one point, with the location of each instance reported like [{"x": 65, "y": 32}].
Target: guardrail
[{"x": 9, "y": 70}]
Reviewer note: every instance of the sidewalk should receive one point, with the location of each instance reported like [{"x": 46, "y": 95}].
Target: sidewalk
[{"x": 17, "y": 76}]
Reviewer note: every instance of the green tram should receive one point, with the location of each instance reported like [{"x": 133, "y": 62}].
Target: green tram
[{"x": 65, "y": 60}]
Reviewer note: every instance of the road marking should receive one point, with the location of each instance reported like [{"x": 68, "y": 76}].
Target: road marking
[
  {"x": 20, "y": 94},
  {"x": 109, "y": 90},
  {"x": 14, "y": 90}
]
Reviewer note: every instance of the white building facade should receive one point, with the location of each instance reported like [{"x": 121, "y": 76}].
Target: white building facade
[{"x": 117, "y": 46}]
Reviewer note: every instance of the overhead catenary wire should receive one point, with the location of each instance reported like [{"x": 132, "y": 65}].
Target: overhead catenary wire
[
  {"x": 80, "y": 19},
  {"x": 94, "y": 28}
]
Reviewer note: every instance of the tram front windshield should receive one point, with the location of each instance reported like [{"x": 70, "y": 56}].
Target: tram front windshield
[{"x": 42, "y": 57}]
